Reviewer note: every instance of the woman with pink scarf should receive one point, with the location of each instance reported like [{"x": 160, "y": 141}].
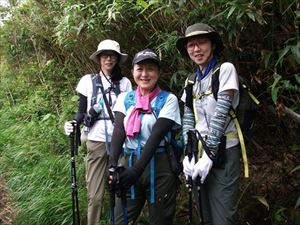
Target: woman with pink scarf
[{"x": 139, "y": 141}]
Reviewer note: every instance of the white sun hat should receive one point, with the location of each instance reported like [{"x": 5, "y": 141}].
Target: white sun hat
[{"x": 108, "y": 45}]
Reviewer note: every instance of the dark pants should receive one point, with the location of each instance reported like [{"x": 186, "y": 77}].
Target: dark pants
[
  {"x": 219, "y": 193},
  {"x": 162, "y": 211}
]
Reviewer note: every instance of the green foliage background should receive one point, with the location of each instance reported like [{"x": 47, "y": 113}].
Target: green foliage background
[{"x": 44, "y": 51}]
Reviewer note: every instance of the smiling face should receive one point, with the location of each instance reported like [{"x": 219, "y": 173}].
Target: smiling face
[
  {"x": 200, "y": 50},
  {"x": 108, "y": 59},
  {"x": 145, "y": 75}
]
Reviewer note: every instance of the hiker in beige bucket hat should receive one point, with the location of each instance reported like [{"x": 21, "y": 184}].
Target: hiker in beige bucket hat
[{"x": 109, "y": 45}]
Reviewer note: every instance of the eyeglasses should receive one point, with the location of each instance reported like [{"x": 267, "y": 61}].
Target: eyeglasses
[
  {"x": 112, "y": 56},
  {"x": 190, "y": 46}
]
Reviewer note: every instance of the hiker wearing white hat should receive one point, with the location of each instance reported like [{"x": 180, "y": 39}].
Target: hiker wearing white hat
[
  {"x": 109, "y": 45},
  {"x": 215, "y": 169},
  {"x": 98, "y": 93}
]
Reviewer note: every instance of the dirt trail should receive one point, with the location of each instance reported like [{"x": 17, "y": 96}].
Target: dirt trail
[{"x": 6, "y": 209}]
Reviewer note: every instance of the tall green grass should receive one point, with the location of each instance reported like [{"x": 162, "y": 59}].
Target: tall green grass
[{"x": 35, "y": 155}]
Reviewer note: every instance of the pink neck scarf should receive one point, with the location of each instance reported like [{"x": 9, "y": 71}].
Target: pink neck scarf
[{"x": 143, "y": 105}]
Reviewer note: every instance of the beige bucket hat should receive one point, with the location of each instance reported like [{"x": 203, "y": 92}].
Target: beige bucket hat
[{"x": 108, "y": 45}]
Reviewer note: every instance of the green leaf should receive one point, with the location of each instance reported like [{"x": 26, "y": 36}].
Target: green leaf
[
  {"x": 296, "y": 52},
  {"x": 251, "y": 16},
  {"x": 274, "y": 88},
  {"x": 231, "y": 11},
  {"x": 282, "y": 53},
  {"x": 297, "y": 77},
  {"x": 46, "y": 117},
  {"x": 267, "y": 57},
  {"x": 75, "y": 98},
  {"x": 297, "y": 203},
  {"x": 240, "y": 16},
  {"x": 81, "y": 25},
  {"x": 295, "y": 169},
  {"x": 279, "y": 214},
  {"x": 142, "y": 3}
]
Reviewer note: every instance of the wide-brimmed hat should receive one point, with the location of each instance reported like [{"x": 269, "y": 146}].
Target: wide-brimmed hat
[
  {"x": 146, "y": 54},
  {"x": 108, "y": 45},
  {"x": 199, "y": 29}
]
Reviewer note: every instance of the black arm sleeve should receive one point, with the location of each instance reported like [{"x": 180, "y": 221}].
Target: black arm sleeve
[
  {"x": 159, "y": 130},
  {"x": 118, "y": 138},
  {"x": 81, "y": 109}
]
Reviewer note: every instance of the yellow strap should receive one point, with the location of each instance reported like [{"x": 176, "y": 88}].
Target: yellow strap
[
  {"x": 232, "y": 135},
  {"x": 242, "y": 143},
  {"x": 199, "y": 149},
  {"x": 195, "y": 111},
  {"x": 196, "y": 121},
  {"x": 191, "y": 82},
  {"x": 251, "y": 95},
  {"x": 254, "y": 98},
  {"x": 206, "y": 93}
]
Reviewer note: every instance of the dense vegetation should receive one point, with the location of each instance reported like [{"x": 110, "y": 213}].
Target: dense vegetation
[{"x": 44, "y": 51}]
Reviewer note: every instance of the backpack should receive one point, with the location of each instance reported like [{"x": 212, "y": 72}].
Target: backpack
[
  {"x": 248, "y": 104},
  {"x": 173, "y": 140},
  {"x": 97, "y": 84},
  {"x": 243, "y": 116},
  {"x": 94, "y": 113}
]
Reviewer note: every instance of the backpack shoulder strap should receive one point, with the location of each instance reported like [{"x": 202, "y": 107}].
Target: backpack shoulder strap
[
  {"x": 189, "y": 90},
  {"x": 191, "y": 79},
  {"x": 96, "y": 80},
  {"x": 159, "y": 102},
  {"x": 116, "y": 87},
  {"x": 215, "y": 83},
  {"x": 97, "y": 84},
  {"x": 129, "y": 99},
  {"x": 158, "y": 105}
]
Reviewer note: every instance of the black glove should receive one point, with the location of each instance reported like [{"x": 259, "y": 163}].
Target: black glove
[{"x": 129, "y": 176}]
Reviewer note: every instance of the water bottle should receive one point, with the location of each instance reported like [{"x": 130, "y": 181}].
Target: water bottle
[
  {"x": 93, "y": 114},
  {"x": 98, "y": 107}
]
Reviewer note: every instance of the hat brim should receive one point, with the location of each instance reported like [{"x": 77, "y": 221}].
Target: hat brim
[
  {"x": 95, "y": 56},
  {"x": 142, "y": 59},
  {"x": 213, "y": 36}
]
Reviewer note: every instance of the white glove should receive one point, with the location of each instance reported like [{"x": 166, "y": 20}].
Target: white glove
[
  {"x": 188, "y": 166},
  {"x": 69, "y": 127},
  {"x": 202, "y": 167}
]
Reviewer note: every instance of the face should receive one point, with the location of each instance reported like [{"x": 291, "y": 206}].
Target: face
[
  {"x": 200, "y": 50},
  {"x": 145, "y": 75},
  {"x": 108, "y": 59}
]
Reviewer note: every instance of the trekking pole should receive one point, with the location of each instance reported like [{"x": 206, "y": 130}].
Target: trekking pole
[
  {"x": 116, "y": 188},
  {"x": 189, "y": 181},
  {"x": 122, "y": 194},
  {"x": 74, "y": 151},
  {"x": 196, "y": 136},
  {"x": 112, "y": 193},
  {"x": 124, "y": 205}
]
